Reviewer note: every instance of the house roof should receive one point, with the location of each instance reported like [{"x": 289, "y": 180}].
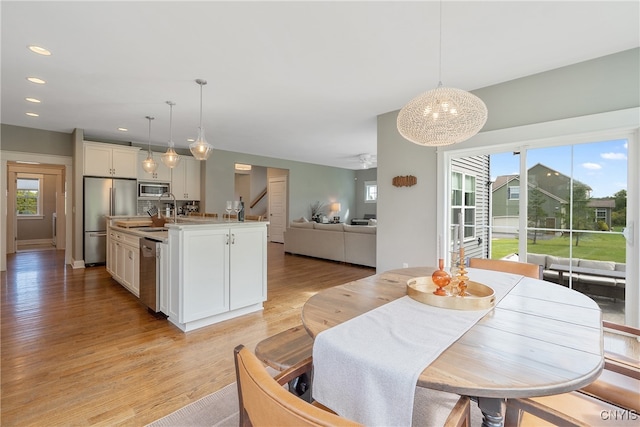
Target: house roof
[
  {"x": 503, "y": 180},
  {"x": 602, "y": 203}
]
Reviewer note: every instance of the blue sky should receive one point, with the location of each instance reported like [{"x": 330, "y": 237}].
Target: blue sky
[{"x": 601, "y": 165}]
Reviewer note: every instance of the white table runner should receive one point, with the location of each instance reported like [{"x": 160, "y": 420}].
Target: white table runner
[{"x": 366, "y": 369}]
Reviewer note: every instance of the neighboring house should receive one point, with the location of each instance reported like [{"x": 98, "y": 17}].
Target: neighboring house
[
  {"x": 549, "y": 196},
  {"x": 470, "y": 196}
]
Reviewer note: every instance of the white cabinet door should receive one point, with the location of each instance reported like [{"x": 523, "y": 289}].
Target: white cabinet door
[
  {"x": 131, "y": 269},
  {"x": 162, "y": 173},
  {"x": 192, "y": 179},
  {"x": 247, "y": 267},
  {"x": 204, "y": 274},
  {"x": 185, "y": 179},
  {"x": 125, "y": 162},
  {"x": 111, "y": 253},
  {"x": 121, "y": 255},
  {"x": 110, "y": 160},
  {"x": 178, "y": 177},
  {"x": 98, "y": 160}
]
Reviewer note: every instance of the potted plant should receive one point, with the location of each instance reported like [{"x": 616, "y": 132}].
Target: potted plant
[{"x": 317, "y": 211}]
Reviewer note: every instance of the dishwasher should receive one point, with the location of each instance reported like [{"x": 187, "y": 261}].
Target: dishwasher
[{"x": 148, "y": 274}]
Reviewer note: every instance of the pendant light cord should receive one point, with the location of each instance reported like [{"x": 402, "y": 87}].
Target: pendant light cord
[
  {"x": 200, "y": 83},
  {"x": 171, "y": 104},
  {"x": 149, "y": 142},
  {"x": 440, "y": 46}
]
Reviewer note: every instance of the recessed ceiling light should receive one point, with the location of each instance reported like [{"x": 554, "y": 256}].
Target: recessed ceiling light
[
  {"x": 33, "y": 114},
  {"x": 39, "y": 50},
  {"x": 190, "y": 139},
  {"x": 36, "y": 80},
  {"x": 123, "y": 129},
  {"x": 37, "y": 101}
]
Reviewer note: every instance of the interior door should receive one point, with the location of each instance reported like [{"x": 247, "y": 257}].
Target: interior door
[{"x": 277, "y": 208}]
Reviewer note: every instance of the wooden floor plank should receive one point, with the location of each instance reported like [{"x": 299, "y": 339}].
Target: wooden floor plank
[{"x": 78, "y": 349}]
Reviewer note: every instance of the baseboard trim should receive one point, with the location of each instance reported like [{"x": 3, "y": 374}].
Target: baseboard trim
[{"x": 77, "y": 263}]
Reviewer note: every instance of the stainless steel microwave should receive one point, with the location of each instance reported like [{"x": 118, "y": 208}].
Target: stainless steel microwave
[{"x": 153, "y": 189}]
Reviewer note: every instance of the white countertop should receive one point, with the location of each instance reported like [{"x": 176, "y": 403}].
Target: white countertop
[{"x": 161, "y": 234}]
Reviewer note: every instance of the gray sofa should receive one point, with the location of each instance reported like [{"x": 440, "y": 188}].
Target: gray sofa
[
  {"x": 588, "y": 284},
  {"x": 355, "y": 244}
]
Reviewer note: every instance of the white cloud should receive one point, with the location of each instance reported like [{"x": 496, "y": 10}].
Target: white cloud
[
  {"x": 591, "y": 166},
  {"x": 614, "y": 156},
  {"x": 626, "y": 145},
  {"x": 621, "y": 185}
]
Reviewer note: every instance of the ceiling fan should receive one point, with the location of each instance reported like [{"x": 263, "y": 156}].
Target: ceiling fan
[{"x": 368, "y": 160}]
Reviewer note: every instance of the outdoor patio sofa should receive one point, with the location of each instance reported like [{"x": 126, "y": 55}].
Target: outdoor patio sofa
[{"x": 599, "y": 285}]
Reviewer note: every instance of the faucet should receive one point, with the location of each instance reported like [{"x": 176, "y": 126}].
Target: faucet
[{"x": 175, "y": 205}]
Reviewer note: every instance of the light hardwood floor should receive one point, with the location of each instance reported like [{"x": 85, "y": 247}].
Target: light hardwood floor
[{"x": 79, "y": 349}]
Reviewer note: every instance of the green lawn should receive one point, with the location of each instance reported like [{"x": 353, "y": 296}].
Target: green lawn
[{"x": 603, "y": 247}]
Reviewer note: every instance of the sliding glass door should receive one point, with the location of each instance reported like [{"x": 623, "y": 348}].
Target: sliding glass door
[{"x": 560, "y": 206}]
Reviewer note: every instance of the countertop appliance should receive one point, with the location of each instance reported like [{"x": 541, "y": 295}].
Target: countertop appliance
[
  {"x": 148, "y": 273},
  {"x": 104, "y": 196},
  {"x": 153, "y": 190}
]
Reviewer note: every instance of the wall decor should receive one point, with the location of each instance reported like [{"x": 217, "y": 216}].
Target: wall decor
[{"x": 404, "y": 181}]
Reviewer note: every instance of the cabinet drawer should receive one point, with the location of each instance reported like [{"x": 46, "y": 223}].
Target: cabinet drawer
[{"x": 125, "y": 238}]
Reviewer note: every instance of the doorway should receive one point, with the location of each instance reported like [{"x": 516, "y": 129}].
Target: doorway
[
  {"x": 277, "y": 208},
  {"x": 41, "y": 224}
]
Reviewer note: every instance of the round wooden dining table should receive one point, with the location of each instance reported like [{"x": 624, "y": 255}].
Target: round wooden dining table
[{"x": 540, "y": 339}]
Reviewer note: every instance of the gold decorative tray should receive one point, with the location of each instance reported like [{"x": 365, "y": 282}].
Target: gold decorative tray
[{"x": 481, "y": 296}]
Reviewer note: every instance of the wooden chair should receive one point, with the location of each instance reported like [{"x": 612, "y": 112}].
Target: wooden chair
[
  {"x": 210, "y": 215},
  {"x": 616, "y": 393},
  {"x": 253, "y": 217},
  {"x": 229, "y": 216},
  {"x": 264, "y": 401},
  {"x": 515, "y": 267}
]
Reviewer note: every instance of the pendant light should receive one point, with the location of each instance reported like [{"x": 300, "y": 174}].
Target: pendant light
[
  {"x": 442, "y": 116},
  {"x": 149, "y": 165},
  {"x": 200, "y": 148},
  {"x": 170, "y": 158}
]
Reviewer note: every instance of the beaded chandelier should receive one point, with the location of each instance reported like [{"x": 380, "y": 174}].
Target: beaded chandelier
[{"x": 442, "y": 116}]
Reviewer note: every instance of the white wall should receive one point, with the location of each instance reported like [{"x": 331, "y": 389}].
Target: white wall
[
  {"x": 406, "y": 215},
  {"x": 307, "y": 183}
]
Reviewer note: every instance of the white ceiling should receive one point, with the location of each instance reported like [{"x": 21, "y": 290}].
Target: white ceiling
[{"x": 295, "y": 80}]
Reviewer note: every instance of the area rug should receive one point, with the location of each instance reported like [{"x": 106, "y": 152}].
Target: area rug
[{"x": 220, "y": 409}]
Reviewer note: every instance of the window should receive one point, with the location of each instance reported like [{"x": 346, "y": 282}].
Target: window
[
  {"x": 370, "y": 191},
  {"x": 28, "y": 200},
  {"x": 513, "y": 193},
  {"x": 463, "y": 201}
]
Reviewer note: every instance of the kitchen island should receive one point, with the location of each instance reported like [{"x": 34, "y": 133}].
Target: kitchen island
[{"x": 207, "y": 271}]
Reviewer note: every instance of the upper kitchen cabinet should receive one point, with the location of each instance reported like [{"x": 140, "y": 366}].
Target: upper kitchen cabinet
[
  {"x": 110, "y": 160},
  {"x": 162, "y": 173},
  {"x": 185, "y": 182}
]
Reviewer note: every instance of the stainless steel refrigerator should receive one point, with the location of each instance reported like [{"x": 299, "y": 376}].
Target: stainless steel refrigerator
[{"x": 104, "y": 196}]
